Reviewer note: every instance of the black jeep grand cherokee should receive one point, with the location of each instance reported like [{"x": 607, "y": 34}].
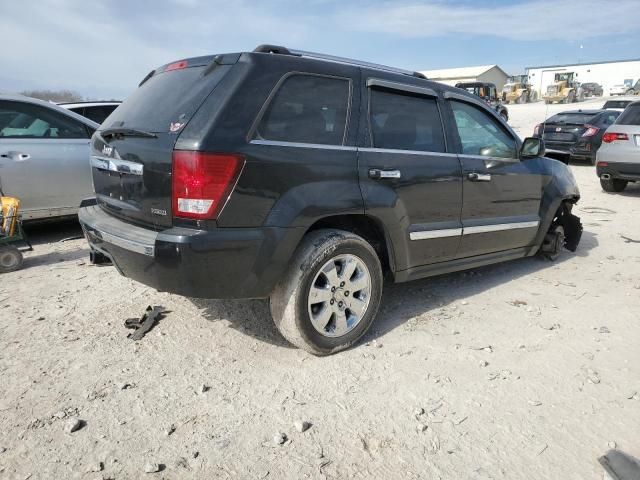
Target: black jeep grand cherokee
[{"x": 304, "y": 178}]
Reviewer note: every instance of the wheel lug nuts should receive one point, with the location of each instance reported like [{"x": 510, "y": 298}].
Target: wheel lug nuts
[
  {"x": 346, "y": 294},
  {"x": 333, "y": 289},
  {"x": 339, "y": 304},
  {"x": 342, "y": 284},
  {"x": 332, "y": 301}
]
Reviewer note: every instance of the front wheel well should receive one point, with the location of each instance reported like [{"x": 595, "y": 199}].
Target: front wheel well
[{"x": 366, "y": 227}]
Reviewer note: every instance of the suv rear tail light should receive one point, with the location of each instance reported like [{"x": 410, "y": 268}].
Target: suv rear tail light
[
  {"x": 538, "y": 130},
  {"x": 202, "y": 182},
  {"x": 610, "y": 137},
  {"x": 591, "y": 131},
  {"x": 602, "y": 164}
]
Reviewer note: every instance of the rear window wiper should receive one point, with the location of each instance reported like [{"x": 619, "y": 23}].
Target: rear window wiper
[{"x": 126, "y": 132}]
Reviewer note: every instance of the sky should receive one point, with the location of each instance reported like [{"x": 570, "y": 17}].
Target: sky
[{"x": 102, "y": 49}]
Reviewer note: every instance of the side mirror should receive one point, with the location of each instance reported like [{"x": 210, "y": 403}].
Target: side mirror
[{"x": 532, "y": 147}]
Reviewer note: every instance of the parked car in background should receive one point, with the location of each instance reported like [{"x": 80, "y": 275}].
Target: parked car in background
[
  {"x": 303, "y": 177},
  {"x": 617, "y": 104},
  {"x": 96, "y": 111},
  {"x": 44, "y": 156},
  {"x": 622, "y": 88},
  {"x": 592, "y": 89},
  {"x": 635, "y": 90},
  {"x": 619, "y": 156},
  {"x": 487, "y": 92},
  {"x": 576, "y": 133}
]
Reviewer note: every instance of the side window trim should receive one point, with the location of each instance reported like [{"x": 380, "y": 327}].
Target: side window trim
[
  {"x": 251, "y": 135},
  {"x": 421, "y": 91},
  {"x": 377, "y": 82}
]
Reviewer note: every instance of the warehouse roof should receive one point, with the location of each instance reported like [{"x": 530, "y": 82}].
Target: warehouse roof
[{"x": 463, "y": 72}]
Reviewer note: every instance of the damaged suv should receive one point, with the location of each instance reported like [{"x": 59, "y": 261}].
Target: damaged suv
[{"x": 306, "y": 179}]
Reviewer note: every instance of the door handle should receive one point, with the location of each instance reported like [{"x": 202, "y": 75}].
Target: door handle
[
  {"x": 377, "y": 173},
  {"x": 479, "y": 177},
  {"x": 16, "y": 156}
]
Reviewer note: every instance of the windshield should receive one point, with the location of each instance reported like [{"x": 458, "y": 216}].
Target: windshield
[
  {"x": 616, "y": 103},
  {"x": 572, "y": 118}
]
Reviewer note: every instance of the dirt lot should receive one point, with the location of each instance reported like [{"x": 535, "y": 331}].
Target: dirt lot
[{"x": 528, "y": 369}]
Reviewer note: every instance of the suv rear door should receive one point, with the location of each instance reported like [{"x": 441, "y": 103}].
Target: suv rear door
[
  {"x": 502, "y": 194},
  {"x": 409, "y": 180}
]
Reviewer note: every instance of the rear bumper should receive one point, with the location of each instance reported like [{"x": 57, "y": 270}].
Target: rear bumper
[
  {"x": 622, "y": 171},
  {"x": 218, "y": 263}
]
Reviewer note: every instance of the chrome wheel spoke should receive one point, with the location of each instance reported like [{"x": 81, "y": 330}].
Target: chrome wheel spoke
[
  {"x": 321, "y": 319},
  {"x": 319, "y": 294},
  {"x": 329, "y": 271},
  {"x": 349, "y": 266},
  {"x": 361, "y": 282},
  {"x": 342, "y": 326},
  {"x": 358, "y": 307}
]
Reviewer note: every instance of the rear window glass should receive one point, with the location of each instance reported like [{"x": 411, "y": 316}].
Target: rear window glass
[
  {"x": 573, "y": 118},
  {"x": 166, "y": 98},
  {"x": 307, "y": 109},
  {"x": 405, "y": 122},
  {"x": 631, "y": 116}
]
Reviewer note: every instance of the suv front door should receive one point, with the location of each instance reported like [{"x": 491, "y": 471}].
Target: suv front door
[
  {"x": 502, "y": 194},
  {"x": 409, "y": 181}
]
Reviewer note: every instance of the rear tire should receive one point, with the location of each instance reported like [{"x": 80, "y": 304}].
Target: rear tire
[
  {"x": 613, "y": 185},
  {"x": 312, "y": 306},
  {"x": 10, "y": 259}
]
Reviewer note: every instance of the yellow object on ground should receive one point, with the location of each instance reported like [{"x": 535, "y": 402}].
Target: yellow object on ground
[{"x": 9, "y": 207}]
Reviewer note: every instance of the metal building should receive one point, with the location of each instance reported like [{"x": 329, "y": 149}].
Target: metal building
[
  {"x": 485, "y": 73},
  {"x": 607, "y": 74}
]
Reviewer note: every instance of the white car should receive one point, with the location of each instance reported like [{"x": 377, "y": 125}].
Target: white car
[
  {"x": 618, "y": 158},
  {"x": 624, "y": 88}
]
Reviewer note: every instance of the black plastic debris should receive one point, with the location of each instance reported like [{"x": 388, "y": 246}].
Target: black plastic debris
[
  {"x": 620, "y": 466},
  {"x": 142, "y": 325}
]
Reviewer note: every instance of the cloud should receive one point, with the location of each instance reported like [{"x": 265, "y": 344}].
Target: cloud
[{"x": 527, "y": 21}]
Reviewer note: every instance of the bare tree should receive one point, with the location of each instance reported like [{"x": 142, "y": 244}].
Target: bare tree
[{"x": 54, "y": 95}]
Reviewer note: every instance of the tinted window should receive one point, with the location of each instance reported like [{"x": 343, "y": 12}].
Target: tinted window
[
  {"x": 616, "y": 104},
  {"x": 307, "y": 109},
  {"x": 166, "y": 98},
  {"x": 631, "y": 116},
  {"x": 607, "y": 118},
  {"x": 480, "y": 133},
  {"x": 26, "y": 120},
  {"x": 97, "y": 113},
  {"x": 405, "y": 122},
  {"x": 572, "y": 118}
]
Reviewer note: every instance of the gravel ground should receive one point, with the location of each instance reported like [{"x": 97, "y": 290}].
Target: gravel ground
[{"x": 527, "y": 369}]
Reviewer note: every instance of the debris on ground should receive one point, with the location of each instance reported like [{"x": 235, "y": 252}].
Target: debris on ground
[
  {"x": 144, "y": 324},
  {"x": 517, "y": 303},
  {"x": 279, "y": 438},
  {"x": 73, "y": 424},
  {"x": 150, "y": 467},
  {"x": 302, "y": 425}
]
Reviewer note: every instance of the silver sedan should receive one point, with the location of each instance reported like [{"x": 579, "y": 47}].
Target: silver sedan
[
  {"x": 618, "y": 159},
  {"x": 44, "y": 156}
]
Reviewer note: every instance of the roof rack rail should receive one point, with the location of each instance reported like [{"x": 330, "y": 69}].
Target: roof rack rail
[{"x": 331, "y": 58}]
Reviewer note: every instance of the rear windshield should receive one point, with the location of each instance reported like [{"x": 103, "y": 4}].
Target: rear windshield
[
  {"x": 616, "y": 104},
  {"x": 166, "y": 98},
  {"x": 572, "y": 118},
  {"x": 631, "y": 116}
]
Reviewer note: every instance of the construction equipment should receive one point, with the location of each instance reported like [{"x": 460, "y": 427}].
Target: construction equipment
[
  {"x": 487, "y": 92},
  {"x": 518, "y": 90},
  {"x": 11, "y": 234},
  {"x": 564, "y": 89}
]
